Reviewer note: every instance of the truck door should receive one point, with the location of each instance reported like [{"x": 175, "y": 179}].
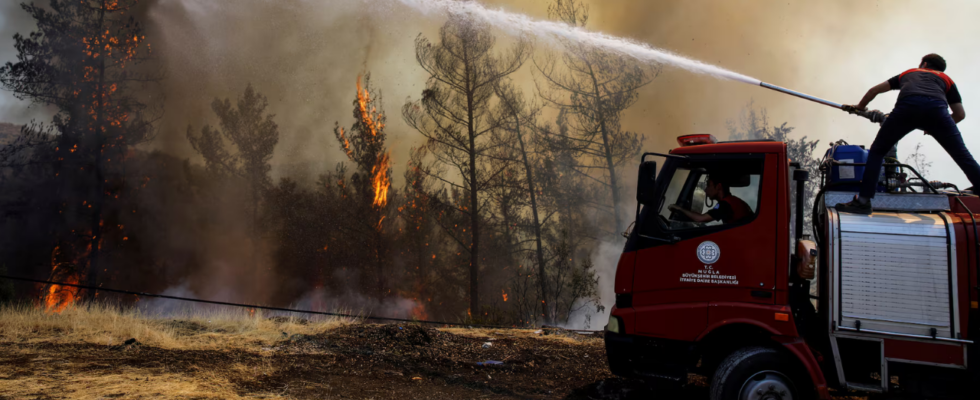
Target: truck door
[{"x": 682, "y": 266}]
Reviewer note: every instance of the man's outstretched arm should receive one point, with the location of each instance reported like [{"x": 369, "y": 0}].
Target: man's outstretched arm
[{"x": 872, "y": 93}]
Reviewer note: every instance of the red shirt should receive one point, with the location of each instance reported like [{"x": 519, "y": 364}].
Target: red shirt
[
  {"x": 731, "y": 210},
  {"x": 925, "y": 82}
]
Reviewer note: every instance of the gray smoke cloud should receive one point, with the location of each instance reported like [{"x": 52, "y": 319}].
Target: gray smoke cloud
[{"x": 14, "y": 20}]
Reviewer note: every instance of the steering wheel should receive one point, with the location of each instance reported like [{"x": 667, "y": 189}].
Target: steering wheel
[{"x": 677, "y": 216}]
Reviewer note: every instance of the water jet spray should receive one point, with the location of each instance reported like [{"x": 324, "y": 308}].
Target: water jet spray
[{"x": 517, "y": 24}]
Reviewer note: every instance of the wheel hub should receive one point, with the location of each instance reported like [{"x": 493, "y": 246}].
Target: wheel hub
[{"x": 767, "y": 385}]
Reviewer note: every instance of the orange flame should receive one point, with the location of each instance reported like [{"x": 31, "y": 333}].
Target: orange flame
[
  {"x": 59, "y": 297},
  {"x": 343, "y": 136},
  {"x": 372, "y": 119},
  {"x": 504, "y": 294},
  {"x": 380, "y": 179},
  {"x": 418, "y": 312}
]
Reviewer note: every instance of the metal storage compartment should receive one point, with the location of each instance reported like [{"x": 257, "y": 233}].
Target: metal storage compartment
[{"x": 894, "y": 273}]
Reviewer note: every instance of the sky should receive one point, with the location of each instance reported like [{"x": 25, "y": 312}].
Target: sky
[{"x": 305, "y": 55}]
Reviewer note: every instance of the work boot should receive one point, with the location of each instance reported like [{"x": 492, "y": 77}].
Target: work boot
[{"x": 855, "y": 206}]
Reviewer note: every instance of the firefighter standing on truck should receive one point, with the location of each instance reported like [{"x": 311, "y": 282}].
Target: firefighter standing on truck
[
  {"x": 730, "y": 209},
  {"x": 925, "y": 93}
]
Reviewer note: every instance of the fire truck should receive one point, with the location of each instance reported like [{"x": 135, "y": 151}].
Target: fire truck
[{"x": 882, "y": 303}]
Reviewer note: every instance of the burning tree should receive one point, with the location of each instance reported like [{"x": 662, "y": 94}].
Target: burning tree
[
  {"x": 593, "y": 88},
  {"x": 82, "y": 60},
  {"x": 241, "y": 149},
  {"x": 454, "y": 115},
  {"x": 364, "y": 145}
]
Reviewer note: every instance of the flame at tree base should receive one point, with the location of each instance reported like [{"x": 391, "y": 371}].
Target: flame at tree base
[
  {"x": 418, "y": 312},
  {"x": 60, "y": 297},
  {"x": 56, "y": 298}
]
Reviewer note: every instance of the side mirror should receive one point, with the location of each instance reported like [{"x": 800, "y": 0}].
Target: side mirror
[{"x": 646, "y": 182}]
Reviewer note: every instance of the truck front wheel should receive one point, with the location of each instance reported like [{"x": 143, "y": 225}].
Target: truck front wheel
[{"x": 756, "y": 373}]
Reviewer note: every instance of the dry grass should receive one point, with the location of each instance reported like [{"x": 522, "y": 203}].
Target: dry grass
[
  {"x": 212, "y": 353},
  {"x": 61, "y": 382},
  {"x": 198, "y": 329},
  {"x": 45, "y": 354}
]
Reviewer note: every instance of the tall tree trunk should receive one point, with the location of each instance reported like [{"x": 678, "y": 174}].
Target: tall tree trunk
[
  {"x": 255, "y": 228},
  {"x": 539, "y": 249},
  {"x": 99, "y": 200},
  {"x": 379, "y": 258},
  {"x": 610, "y": 164},
  {"x": 474, "y": 203}
]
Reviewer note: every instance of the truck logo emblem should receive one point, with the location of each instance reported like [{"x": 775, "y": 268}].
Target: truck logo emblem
[{"x": 708, "y": 252}]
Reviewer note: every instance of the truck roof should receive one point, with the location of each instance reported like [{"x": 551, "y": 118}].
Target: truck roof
[{"x": 733, "y": 147}]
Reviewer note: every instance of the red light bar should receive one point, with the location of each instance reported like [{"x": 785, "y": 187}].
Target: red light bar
[{"x": 694, "y": 140}]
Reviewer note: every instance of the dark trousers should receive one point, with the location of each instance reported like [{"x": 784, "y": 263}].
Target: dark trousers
[{"x": 918, "y": 112}]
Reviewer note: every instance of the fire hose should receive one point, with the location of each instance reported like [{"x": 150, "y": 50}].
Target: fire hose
[{"x": 872, "y": 115}]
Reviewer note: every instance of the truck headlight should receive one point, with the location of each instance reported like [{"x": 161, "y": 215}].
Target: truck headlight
[{"x": 614, "y": 325}]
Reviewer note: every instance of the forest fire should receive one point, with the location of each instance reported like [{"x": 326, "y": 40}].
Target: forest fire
[{"x": 128, "y": 218}]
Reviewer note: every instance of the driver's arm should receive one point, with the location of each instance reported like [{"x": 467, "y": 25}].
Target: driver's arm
[{"x": 696, "y": 217}]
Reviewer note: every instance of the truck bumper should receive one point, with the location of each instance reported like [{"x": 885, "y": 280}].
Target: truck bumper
[{"x": 644, "y": 357}]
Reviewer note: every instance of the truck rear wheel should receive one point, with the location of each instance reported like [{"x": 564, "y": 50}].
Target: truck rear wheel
[{"x": 756, "y": 373}]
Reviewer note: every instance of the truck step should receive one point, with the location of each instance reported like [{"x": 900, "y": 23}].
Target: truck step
[{"x": 864, "y": 387}]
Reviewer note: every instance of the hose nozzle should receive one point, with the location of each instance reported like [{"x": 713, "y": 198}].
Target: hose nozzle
[{"x": 872, "y": 115}]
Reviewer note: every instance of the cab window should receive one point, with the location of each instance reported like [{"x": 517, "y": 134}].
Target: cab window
[{"x": 711, "y": 193}]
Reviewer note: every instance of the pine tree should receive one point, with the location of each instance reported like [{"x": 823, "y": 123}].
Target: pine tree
[
  {"x": 593, "y": 88},
  {"x": 364, "y": 145},
  {"x": 84, "y": 59},
  {"x": 454, "y": 115},
  {"x": 241, "y": 149}
]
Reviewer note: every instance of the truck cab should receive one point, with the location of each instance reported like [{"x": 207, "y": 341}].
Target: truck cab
[{"x": 879, "y": 303}]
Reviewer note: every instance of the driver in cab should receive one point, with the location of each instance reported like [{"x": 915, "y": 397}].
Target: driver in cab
[{"x": 729, "y": 210}]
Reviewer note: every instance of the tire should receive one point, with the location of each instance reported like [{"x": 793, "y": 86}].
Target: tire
[{"x": 757, "y": 373}]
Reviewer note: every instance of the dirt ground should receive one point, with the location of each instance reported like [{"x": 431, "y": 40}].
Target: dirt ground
[{"x": 357, "y": 361}]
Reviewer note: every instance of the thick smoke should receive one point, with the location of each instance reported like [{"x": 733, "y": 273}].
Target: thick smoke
[{"x": 13, "y": 110}]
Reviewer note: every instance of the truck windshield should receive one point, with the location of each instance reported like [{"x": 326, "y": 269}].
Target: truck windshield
[{"x": 710, "y": 192}]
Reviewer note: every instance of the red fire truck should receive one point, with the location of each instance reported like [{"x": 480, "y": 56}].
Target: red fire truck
[{"x": 881, "y": 303}]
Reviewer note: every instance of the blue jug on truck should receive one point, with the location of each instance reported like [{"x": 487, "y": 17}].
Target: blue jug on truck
[{"x": 846, "y": 178}]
